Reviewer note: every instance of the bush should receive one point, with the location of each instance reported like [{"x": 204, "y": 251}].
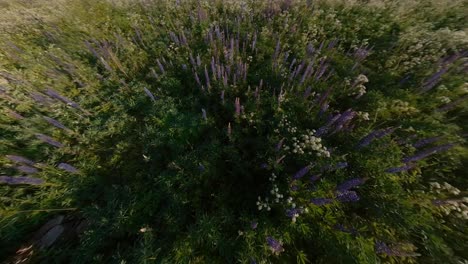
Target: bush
[{"x": 236, "y": 132}]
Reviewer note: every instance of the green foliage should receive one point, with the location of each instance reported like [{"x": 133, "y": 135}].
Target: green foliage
[{"x": 171, "y": 163}]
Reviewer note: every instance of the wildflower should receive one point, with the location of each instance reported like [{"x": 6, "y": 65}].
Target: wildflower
[
  {"x": 161, "y": 68},
  {"x": 349, "y": 184},
  {"x": 27, "y": 169},
  {"x": 14, "y": 115},
  {"x": 254, "y": 225},
  {"x": 68, "y": 167},
  {"x": 238, "y": 106},
  {"x": 347, "y": 196},
  {"x": 301, "y": 173},
  {"x": 376, "y": 134},
  {"x": 150, "y": 95},
  {"x": 20, "y": 180},
  {"x": 279, "y": 145},
  {"x": 56, "y": 95},
  {"x": 275, "y": 246},
  {"x": 55, "y": 123},
  {"x": 204, "y": 114},
  {"x": 229, "y": 130},
  {"x": 20, "y": 159},
  {"x": 426, "y": 141},
  {"x": 425, "y": 153},
  {"x": 49, "y": 140},
  {"x": 400, "y": 169},
  {"x": 321, "y": 201}
]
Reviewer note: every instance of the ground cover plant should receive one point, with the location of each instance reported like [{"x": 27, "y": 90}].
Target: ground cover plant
[{"x": 233, "y": 131}]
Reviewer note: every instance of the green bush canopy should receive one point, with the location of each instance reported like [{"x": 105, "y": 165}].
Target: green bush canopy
[{"x": 164, "y": 131}]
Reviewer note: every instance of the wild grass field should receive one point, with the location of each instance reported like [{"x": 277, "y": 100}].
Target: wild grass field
[{"x": 247, "y": 131}]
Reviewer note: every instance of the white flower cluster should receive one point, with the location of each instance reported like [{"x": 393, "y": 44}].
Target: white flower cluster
[
  {"x": 307, "y": 143},
  {"x": 276, "y": 196},
  {"x": 284, "y": 122},
  {"x": 359, "y": 89},
  {"x": 249, "y": 117},
  {"x": 445, "y": 187},
  {"x": 459, "y": 207},
  {"x": 363, "y": 115},
  {"x": 444, "y": 99}
]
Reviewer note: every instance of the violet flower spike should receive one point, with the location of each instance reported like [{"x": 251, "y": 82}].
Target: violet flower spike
[
  {"x": 347, "y": 196},
  {"x": 321, "y": 201},
  {"x": 425, "y": 153},
  {"x": 68, "y": 167},
  {"x": 275, "y": 246},
  {"x": 301, "y": 173},
  {"x": 400, "y": 169},
  {"x": 20, "y": 159},
  {"x": 20, "y": 180},
  {"x": 204, "y": 114},
  {"x": 349, "y": 184},
  {"x": 238, "y": 106},
  {"x": 150, "y": 95},
  {"x": 49, "y": 140},
  {"x": 27, "y": 169}
]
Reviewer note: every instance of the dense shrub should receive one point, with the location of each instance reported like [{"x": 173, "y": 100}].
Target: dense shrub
[{"x": 236, "y": 132}]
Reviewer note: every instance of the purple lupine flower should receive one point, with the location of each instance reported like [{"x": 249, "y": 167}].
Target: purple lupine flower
[
  {"x": 349, "y": 184},
  {"x": 400, "y": 169},
  {"x": 20, "y": 159},
  {"x": 451, "y": 105},
  {"x": 307, "y": 92},
  {"x": 438, "y": 202},
  {"x": 343, "y": 229},
  {"x": 324, "y": 129},
  {"x": 314, "y": 178},
  {"x": 15, "y": 115},
  {"x": 340, "y": 165},
  {"x": 425, "y": 153},
  {"x": 277, "y": 49},
  {"x": 68, "y": 167},
  {"x": 20, "y": 180},
  {"x": 56, "y": 95},
  {"x": 222, "y": 97},
  {"x": 201, "y": 168},
  {"x": 275, "y": 245},
  {"x": 155, "y": 75},
  {"x": 254, "y": 224},
  {"x": 263, "y": 165},
  {"x": 254, "y": 41},
  {"x": 376, "y": 134},
  {"x": 238, "y": 106},
  {"x": 198, "y": 60},
  {"x": 347, "y": 196},
  {"x": 293, "y": 212},
  {"x": 344, "y": 120},
  {"x": 207, "y": 77},
  {"x": 204, "y": 114},
  {"x": 294, "y": 187},
  {"x": 49, "y": 140},
  {"x": 40, "y": 98},
  {"x": 55, "y": 123},
  {"x": 382, "y": 248},
  {"x": 161, "y": 68},
  {"x": 150, "y": 95},
  {"x": 279, "y": 145},
  {"x": 197, "y": 79},
  {"x": 192, "y": 60},
  {"x": 426, "y": 141},
  {"x": 301, "y": 173},
  {"x": 321, "y": 201},
  {"x": 27, "y": 169},
  {"x": 433, "y": 80}
]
